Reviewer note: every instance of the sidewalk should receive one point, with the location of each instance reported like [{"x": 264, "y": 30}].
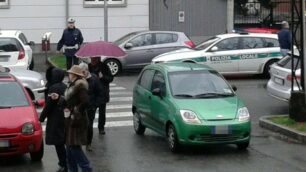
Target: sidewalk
[{"x": 40, "y": 61}]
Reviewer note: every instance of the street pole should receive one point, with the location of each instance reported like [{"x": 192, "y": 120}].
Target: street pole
[
  {"x": 230, "y": 16},
  {"x": 67, "y": 11},
  {"x": 105, "y": 20},
  {"x": 303, "y": 66}
]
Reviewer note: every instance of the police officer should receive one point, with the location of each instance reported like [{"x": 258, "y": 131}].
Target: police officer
[
  {"x": 70, "y": 43},
  {"x": 285, "y": 38}
]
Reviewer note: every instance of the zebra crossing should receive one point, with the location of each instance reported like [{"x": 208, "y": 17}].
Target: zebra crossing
[{"x": 118, "y": 110}]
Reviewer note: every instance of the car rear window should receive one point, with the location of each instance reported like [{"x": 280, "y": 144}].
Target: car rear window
[
  {"x": 12, "y": 95},
  {"x": 9, "y": 45},
  {"x": 286, "y": 62},
  {"x": 164, "y": 38}
]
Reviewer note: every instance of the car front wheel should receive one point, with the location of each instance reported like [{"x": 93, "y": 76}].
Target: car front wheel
[
  {"x": 172, "y": 139},
  {"x": 37, "y": 156},
  {"x": 138, "y": 127},
  {"x": 114, "y": 66},
  {"x": 243, "y": 146}
]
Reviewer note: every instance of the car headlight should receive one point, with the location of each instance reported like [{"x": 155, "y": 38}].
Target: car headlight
[
  {"x": 27, "y": 128},
  {"x": 190, "y": 117},
  {"x": 42, "y": 82},
  {"x": 243, "y": 114}
]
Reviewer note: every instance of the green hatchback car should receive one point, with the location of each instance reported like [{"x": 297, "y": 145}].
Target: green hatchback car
[{"x": 190, "y": 104}]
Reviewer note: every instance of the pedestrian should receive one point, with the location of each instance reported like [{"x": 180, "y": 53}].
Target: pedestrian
[
  {"x": 76, "y": 102},
  {"x": 55, "y": 128},
  {"x": 94, "y": 91},
  {"x": 285, "y": 38},
  {"x": 105, "y": 76},
  {"x": 70, "y": 43}
]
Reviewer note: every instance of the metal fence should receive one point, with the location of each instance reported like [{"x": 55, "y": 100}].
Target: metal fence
[{"x": 260, "y": 13}]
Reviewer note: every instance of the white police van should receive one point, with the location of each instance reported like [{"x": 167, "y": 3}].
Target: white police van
[{"x": 234, "y": 53}]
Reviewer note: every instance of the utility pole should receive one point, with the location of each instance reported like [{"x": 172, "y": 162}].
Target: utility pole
[
  {"x": 230, "y": 16},
  {"x": 105, "y": 20}
]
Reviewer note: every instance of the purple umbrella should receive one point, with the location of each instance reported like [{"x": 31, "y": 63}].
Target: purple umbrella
[{"x": 100, "y": 48}]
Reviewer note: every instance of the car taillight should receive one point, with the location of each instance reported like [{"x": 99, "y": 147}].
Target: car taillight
[
  {"x": 21, "y": 54},
  {"x": 289, "y": 77},
  {"x": 190, "y": 44}
]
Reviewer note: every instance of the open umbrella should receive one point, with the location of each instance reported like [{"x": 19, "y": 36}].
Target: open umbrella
[{"x": 98, "y": 49}]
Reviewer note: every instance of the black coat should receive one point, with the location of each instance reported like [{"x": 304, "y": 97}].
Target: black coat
[
  {"x": 94, "y": 91},
  {"x": 105, "y": 80},
  {"x": 55, "y": 129}
]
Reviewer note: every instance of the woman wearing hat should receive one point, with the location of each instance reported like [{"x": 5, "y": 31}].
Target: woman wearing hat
[{"x": 76, "y": 101}]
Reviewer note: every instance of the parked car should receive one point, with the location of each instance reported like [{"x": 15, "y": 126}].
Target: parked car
[
  {"x": 33, "y": 81},
  {"x": 279, "y": 85},
  {"x": 15, "y": 50},
  {"x": 142, "y": 46},
  {"x": 20, "y": 130},
  {"x": 243, "y": 53},
  {"x": 190, "y": 104}
]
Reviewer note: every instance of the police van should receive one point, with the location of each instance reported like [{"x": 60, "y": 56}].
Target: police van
[{"x": 234, "y": 53}]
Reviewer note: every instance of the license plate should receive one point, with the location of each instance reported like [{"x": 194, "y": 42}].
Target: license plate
[
  {"x": 224, "y": 129},
  {"x": 4, "y": 59},
  {"x": 279, "y": 81},
  {"x": 4, "y": 144}
]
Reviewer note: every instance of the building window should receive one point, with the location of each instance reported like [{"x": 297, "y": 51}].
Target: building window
[
  {"x": 4, "y": 4},
  {"x": 100, "y": 3}
]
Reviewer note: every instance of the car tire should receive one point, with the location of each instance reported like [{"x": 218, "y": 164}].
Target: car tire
[
  {"x": 266, "y": 71},
  {"x": 31, "y": 67},
  {"x": 114, "y": 66},
  {"x": 138, "y": 126},
  {"x": 172, "y": 139},
  {"x": 37, "y": 156},
  {"x": 243, "y": 146}
]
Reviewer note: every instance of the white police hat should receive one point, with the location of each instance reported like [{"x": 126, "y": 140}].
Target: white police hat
[{"x": 71, "y": 20}]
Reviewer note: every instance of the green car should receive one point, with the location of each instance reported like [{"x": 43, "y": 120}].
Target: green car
[{"x": 190, "y": 104}]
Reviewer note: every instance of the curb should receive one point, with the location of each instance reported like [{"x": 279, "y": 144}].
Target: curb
[{"x": 291, "y": 133}]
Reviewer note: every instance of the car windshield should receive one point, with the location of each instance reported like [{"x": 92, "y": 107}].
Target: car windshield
[
  {"x": 125, "y": 38},
  {"x": 199, "y": 84},
  {"x": 207, "y": 43},
  {"x": 286, "y": 62},
  {"x": 12, "y": 95}
]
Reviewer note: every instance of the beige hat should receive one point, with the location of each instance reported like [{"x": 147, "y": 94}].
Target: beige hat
[{"x": 75, "y": 69}]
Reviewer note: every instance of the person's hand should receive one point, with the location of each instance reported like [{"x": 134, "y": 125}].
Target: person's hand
[
  {"x": 54, "y": 96},
  {"x": 100, "y": 75}
]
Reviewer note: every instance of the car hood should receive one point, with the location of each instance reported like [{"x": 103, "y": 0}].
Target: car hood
[
  {"x": 212, "y": 108},
  {"x": 30, "y": 79},
  {"x": 184, "y": 54},
  {"x": 11, "y": 120}
]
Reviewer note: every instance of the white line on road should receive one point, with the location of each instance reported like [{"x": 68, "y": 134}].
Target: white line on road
[
  {"x": 121, "y": 99},
  {"x": 120, "y": 93},
  {"x": 116, "y": 88}
]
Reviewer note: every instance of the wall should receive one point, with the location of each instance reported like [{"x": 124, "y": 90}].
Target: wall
[{"x": 35, "y": 17}]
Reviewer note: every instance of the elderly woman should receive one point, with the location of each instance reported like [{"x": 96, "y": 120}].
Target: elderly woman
[{"x": 76, "y": 101}]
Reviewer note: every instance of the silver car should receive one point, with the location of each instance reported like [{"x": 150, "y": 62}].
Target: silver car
[
  {"x": 32, "y": 81},
  {"x": 141, "y": 47},
  {"x": 279, "y": 85}
]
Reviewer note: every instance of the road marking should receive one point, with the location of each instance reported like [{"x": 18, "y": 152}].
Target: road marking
[
  {"x": 116, "y": 88},
  {"x": 114, "y": 107},
  {"x": 121, "y": 99},
  {"x": 117, "y": 93},
  {"x": 108, "y": 124},
  {"x": 112, "y": 85}
]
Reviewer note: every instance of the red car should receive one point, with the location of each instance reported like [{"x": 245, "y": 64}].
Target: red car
[{"x": 20, "y": 129}]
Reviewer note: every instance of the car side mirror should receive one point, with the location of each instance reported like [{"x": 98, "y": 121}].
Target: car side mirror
[
  {"x": 213, "y": 49},
  {"x": 234, "y": 88},
  {"x": 128, "y": 46},
  {"x": 31, "y": 43},
  {"x": 39, "y": 103},
  {"x": 157, "y": 92}
]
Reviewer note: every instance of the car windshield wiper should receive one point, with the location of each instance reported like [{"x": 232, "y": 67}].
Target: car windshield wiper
[
  {"x": 183, "y": 95},
  {"x": 207, "y": 95},
  {"x": 5, "y": 107}
]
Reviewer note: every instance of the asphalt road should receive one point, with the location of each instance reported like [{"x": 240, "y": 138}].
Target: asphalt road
[{"x": 120, "y": 150}]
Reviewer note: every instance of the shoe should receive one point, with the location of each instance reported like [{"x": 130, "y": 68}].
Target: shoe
[
  {"x": 62, "y": 169},
  {"x": 101, "y": 132},
  {"x": 89, "y": 148}
]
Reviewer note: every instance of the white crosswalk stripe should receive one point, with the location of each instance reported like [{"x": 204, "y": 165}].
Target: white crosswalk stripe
[{"x": 119, "y": 109}]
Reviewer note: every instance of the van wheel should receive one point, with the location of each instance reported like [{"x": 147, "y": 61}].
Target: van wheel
[
  {"x": 172, "y": 139},
  {"x": 114, "y": 66},
  {"x": 243, "y": 146},
  {"x": 31, "y": 67},
  {"x": 37, "y": 156},
  {"x": 266, "y": 72},
  {"x": 138, "y": 127}
]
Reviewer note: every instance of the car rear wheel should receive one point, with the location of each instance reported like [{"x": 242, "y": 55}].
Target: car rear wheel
[
  {"x": 31, "y": 67},
  {"x": 138, "y": 127},
  {"x": 243, "y": 146},
  {"x": 172, "y": 139},
  {"x": 114, "y": 66},
  {"x": 37, "y": 156},
  {"x": 266, "y": 71}
]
